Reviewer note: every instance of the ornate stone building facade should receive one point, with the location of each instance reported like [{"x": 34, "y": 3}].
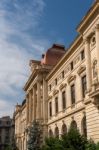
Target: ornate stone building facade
[
  {"x": 63, "y": 89},
  {"x": 20, "y": 126}
]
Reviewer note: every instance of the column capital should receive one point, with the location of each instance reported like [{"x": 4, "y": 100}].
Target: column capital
[
  {"x": 86, "y": 40},
  {"x": 97, "y": 27}
]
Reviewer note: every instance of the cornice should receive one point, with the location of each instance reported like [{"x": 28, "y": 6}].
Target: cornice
[{"x": 88, "y": 15}]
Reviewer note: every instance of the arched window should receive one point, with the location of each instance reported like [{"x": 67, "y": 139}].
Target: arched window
[
  {"x": 64, "y": 129},
  {"x": 56, "y": 132},
  {"x": 84, "y": 126},
  {"x": 50, "y": 133},
  {"x": 73, "y": 124}
]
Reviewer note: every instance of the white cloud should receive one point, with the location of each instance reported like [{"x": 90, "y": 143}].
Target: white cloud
[{"x": 17, "y": 47}]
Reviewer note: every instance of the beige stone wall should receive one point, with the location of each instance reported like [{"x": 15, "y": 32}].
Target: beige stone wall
[
  {"x": 20, "y": 128},
  {"x": 83, "y": 106}
]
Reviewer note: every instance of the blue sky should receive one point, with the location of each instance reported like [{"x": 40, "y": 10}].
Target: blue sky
[{"x": 27, "y": 29}]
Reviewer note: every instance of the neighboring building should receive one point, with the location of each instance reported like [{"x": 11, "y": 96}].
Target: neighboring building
[
  {"x": 6, "y": 132},
  {"x": 20, "y": 126},
  {"x": 63, "y": 89}
]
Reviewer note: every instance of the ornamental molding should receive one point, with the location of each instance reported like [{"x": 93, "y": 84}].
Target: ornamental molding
[
  {"x": 81, "y": 69},
  {"x": 62, "y": 86},
  {"x": 71, "y": 78},
  {"x": 55, "y": 92},
  {"x": 49, "y": 97}
]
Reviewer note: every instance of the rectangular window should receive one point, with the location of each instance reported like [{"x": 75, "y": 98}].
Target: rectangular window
[
  {"x": 82, "y": 55},
  {"x": 73, "y": 94},
  {"x": 56, "y": 105},
  {"x": 63, "y": 100},
  {"x": 63, "y": 74},
  {"x": 50, "y": 109},
  {"x": 56, "y": 81},
  {"x": 72, "y": 66},
  {"x": 84, "y": 86},
  {"x": 50, "y": 87}
]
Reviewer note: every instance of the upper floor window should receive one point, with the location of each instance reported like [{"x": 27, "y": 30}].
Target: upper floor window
[
  {"x": 56, "y": 105},
  {"x": 63, "y": 74},
  {"x": 50, "y": 109},
  {"x": 72, "y": 65},
  {"x": 82, "y": 55},
  {"x": 73, "y": 94},
  {"x": 56, "y": 81},
  {"x": 84, "y": 86},
  {"x": 63, "y": 100},
  {"x": 50, "y": 87}
]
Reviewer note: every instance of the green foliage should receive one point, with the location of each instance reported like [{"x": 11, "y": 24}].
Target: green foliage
[
  {"x": 73, "y": 140},
  {"x": 35, "y": 136},
  {"x": 92, "y": 146},
  {"x": 52, "y": 144}
]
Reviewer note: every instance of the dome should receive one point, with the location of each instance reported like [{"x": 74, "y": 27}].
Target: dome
[{"x": 53, "y": 55}]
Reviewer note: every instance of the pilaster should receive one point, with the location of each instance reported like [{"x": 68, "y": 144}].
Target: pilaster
[
  {"x": 38, "y": 100},
  {"x": 34, "y": 102},
  {"x": 97, "y": 48},
  {"x": 88, "y": 64}
]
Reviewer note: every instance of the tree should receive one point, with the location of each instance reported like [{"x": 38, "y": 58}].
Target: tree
[
  {"x": 35, "y": 136},
  {"x": 74, "y": 140},
  {"x": 52, "y": 144},
  {"x": 92, "y": 146},
  {"x": 70, "y": 141}
]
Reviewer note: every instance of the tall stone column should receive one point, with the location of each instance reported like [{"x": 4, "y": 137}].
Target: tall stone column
[
  {"x": 45, "y": 97},
  {"x": 38, "y": 100},
  {"x": 79, "y": 88},
  {"x": 29, "y": 106},
  {"x": 97, "y": 48},
  {"x": 34, "y": 102},
  {"x": 88, "y": 64},
  {"x": 27, "y": 109},
  {"x": 45, "y": 108}
]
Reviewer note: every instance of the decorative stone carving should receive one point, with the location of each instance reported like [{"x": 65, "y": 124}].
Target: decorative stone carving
[
  {"x": 81, "y": 69},
  {"x": 71, "y": 78},
  {"x": 93, "y": 41},
  {"x": 62, "y": 86},
  {"x": 55, "y": 92},
  {"x": 49, "y": 97}
]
